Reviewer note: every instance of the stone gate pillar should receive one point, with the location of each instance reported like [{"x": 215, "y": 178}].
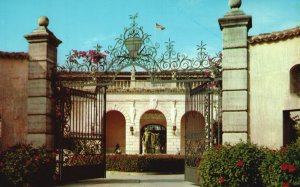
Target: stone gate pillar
[
  {"x": 42, "y": 59},
  {"x": 235, "y": 25}
]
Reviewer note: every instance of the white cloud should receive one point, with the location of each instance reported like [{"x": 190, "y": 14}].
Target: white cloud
[{"x": 101, "y": 39}]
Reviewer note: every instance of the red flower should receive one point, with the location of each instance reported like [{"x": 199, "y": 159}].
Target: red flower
[
  {"x": 221, "y": 180},
  {"x": 53, "y": 154},
  {"x": 285, "y": 184},
  {"x": 240, "y": 163},
  {"x": 91, "y": 52},
  {"x": 28, "y": 162},
  {"x": 292, "y": 168},
  {"x": 284, "y": 166},
  {"x": 58, "y": 114},
  {"x": 1, "y": 165},
  {"x": 282, "y": 150},
  {"x": 242, "y": 172},
  {"x": 82, "y": 53},
  {"x": 36, "y": 158}
]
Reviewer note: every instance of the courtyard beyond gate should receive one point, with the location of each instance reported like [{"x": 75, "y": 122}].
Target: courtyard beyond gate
[
  {"x": 191, "y": 84},
  {"x": 134, "y": 179}
]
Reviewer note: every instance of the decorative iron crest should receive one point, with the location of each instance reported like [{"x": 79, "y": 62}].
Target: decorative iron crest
[
  {"x": 181, "y": 66},
  {"x": 146, "y": 55}
]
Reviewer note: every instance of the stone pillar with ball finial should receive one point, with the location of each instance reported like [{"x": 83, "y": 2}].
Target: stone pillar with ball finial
[
  {"x": 42, "y": 61},
  {"x": 235, "y": 88}
]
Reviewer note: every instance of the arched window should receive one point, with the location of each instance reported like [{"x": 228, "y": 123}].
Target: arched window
[{"x": 295, "y": 79}]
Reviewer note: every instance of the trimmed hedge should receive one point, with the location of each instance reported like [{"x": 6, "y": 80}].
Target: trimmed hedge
[{"x": 145, "y": 163}]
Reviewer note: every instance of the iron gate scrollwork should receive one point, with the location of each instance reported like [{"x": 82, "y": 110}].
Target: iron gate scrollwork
[
  {"x": 202, "y": 123},
  {"x": 201, "y": 74},
  {"x": 80, "y": 116}
]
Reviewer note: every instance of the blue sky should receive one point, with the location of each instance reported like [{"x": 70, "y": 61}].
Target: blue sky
[{"x": 81, "y": 24}]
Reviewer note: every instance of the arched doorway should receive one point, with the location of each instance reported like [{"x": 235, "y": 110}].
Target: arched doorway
[
  {"x": 191, "y": 122},
  {"x": 155, "y": 123},
  {"x": 115, "y": 131}
]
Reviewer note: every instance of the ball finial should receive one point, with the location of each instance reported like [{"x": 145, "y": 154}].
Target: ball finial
[
  {"x": 43, "y": 21},
  {"x": 235, "y": 3}
]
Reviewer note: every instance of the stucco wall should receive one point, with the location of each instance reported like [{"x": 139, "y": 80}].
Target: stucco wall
[
  {"x": 163, "y": 102},
  {"x": 269, "y": 73},
  {"x": 13, "y": 100}
]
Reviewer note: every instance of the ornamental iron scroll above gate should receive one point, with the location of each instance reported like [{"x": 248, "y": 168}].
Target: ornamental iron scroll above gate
[{"x": 135, "y": 48}]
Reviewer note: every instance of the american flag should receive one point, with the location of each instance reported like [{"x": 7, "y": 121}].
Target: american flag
[{"x": 159, "y": 27}]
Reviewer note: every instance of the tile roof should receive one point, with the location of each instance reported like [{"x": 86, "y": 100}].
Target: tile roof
[
  {"x": 274, "y": 36},
  {"x": 13, "y": 55}
]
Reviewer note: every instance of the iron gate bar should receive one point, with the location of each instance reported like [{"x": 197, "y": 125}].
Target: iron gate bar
[
  {"x": 199, "y": 89},
  {"x": 104, "y": 133},
  {"x": 75, "y": 106},
  {"x": 219, "y": 116}
]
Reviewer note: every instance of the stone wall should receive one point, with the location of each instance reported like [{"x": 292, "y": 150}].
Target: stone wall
[{"x": 13, "y": 100}]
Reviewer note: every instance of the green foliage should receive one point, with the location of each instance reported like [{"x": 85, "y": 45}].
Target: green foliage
[
  {"x": 234, "y": 166},
  {"x": 282, "y": 167},
  {"x": 83, "y": 160},
  {"x": 24, "y": 165},
  {"x": 145, "y": 163}
]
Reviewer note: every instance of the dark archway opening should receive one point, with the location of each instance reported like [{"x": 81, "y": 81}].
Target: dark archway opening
[{"x": 157, "y": 138}]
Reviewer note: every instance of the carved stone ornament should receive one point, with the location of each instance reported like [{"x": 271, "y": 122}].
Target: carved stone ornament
[{"x": 235, "y": 3}]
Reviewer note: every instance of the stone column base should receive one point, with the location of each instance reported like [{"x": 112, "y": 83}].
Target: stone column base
[{"x": 234, "y": 138}]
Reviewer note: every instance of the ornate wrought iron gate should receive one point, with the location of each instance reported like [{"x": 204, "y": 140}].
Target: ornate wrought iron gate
[
  {"x": 134, "y": 48},
  {"x": 202, "y": 123},
  {"x": 80, "y": 115}
]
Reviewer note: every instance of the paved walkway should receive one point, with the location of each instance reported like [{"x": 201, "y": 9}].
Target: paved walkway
[{"x": 134, "y": 179}]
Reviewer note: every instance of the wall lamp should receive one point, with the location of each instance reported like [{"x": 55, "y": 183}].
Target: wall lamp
[
  {"x": 131, "y": 130},
  {"x": 174, "y": 129}
]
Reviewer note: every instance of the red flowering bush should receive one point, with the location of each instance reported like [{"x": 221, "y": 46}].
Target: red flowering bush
[
  {"x": 228, "y": 165},
  {"x": 282, "y": 167},
  {"x": 89, "y": 57},
  {"x": 24, "y": 165}
]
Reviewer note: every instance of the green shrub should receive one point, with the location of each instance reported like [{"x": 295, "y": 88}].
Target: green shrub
[
  {"x": 145, "y": 163},
  {"x": 24, "y": 165},
  {"x": 282, "y": 167},
  {"x": 232, "y": 166}
]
